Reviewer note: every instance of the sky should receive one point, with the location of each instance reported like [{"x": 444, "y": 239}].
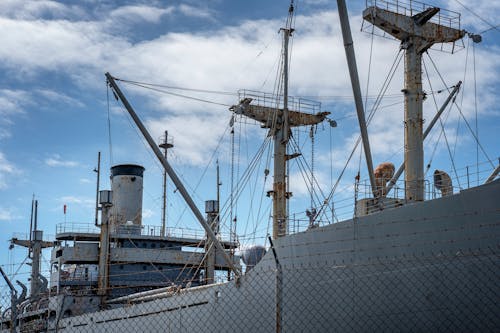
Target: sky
[{"x": 56, "y": 113}]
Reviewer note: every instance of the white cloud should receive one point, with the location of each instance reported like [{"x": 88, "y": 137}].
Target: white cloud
[
  {"x": 140, "y": 13},
  {"x": 12, "y": 101},
  {"x": 147, "y": 213},
  {"x": 476, "y": 16},
  {"x": 35, "y": 9},
  {"x": 80, "y": 201},
  {"x": 195, "y": 11},
  {"x": 228, "y": 59},
  {"x": 53, "y": 96},
  {"x": 6, "y": 214},
  {"x": 7, "y": 171},
  {"x": 57, "y": 161},
  {"x": 196, "y": 136}
]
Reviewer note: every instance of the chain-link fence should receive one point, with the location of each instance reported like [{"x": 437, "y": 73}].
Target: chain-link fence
[{"x": 447, "y": 293}]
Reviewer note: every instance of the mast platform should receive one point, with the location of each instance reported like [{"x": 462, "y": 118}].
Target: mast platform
[{"x": 262, "y": 108}]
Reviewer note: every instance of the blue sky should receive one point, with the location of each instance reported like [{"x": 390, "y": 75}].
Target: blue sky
[{"x": 54, "y": 110}]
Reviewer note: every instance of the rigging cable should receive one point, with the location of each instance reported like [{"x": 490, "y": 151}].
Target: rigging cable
[
  {"x": 331, "y": 163},
  {"x": 442, "y": 125},
  {"x": 465, "y": 119},
  {"x": 306, "y": 170},
  {"x": 231, "y": 197},
  {"x": 312, "y": 164},
  {"x": 388, "y": 79},
  {"x": 205, "y": 170},
  {"x": 174, "y": 94},
  {"x": 475, "y": 108},
  {"x": 146, "y": 84},
  {"x": 479, "y": 17}
]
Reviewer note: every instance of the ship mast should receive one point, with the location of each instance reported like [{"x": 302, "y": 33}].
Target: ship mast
[
  {"x": 417, "y": 34},
  {"x": 35, "y": 245},
  {"x": 166, "y": 146},
  {"x": 280, "y": 194},
  {"x": 279, "y": 121}
]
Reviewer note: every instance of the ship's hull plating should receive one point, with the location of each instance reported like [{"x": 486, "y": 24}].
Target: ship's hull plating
[{"x": 429, "y": 266}]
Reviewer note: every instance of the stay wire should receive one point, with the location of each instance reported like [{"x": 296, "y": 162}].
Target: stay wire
[
  {"x": 475, "y": 109},
  {"x": 442, "y": 125},
  {"x": 479, "y": 17},
  {"x": 178, "y": 95},
  {"x": 384, "y": 88},
  {"x": 465, "y": 119},
  {"x": 146, "y": 84}
]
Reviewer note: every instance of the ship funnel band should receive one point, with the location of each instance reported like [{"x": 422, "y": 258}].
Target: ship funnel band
[{"x": 127, "y": 170}]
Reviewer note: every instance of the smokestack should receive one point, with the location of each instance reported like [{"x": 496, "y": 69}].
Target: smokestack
[{"x": 126, "y": 184}]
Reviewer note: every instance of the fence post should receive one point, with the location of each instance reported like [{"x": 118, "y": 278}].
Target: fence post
[{"x": 279, "y": 289}]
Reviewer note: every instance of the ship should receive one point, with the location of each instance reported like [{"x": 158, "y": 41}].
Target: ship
[{"x": 409, "y": 263}]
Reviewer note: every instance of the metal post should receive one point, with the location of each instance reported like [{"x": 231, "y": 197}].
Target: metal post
[
  {"x": 173, "y": 176},
  {"x": 210, "y": 250},
  {"x": 165, "y": 145},
  {"x": 279, "y": 290},
  {"x": 103, "y": 278},
  {"x": 36, "y": 253},
  {"x": 98, "y": 171}
]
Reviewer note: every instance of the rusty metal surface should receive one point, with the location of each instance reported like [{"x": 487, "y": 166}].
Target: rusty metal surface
[{"x": 402, "y": 27}]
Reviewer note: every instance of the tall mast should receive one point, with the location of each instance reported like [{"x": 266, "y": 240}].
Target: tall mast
[
  {"x": 417, "y": 34},
  {"x": 280, "y": 194},
  {"x": 166, "y": 146},
  {"x": 279, "y": 121}
]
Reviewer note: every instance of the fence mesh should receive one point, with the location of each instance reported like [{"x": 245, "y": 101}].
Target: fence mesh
[{"x": 447, "y": 293}]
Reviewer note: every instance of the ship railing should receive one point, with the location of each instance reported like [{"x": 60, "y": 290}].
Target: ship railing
[
  {"x": 339, "y": 210},
  {"x": 25, "y": 235},
  {"x": 472, "y": 175},
  {"x": 146, "y": 230},
  {"x": 298, "y": 104},
  {"x": 76, "y": 227},
  {"x": 461, "y": 179},
  {"x": 444, "y": 17},
  {"x": 410, "y": 8}
]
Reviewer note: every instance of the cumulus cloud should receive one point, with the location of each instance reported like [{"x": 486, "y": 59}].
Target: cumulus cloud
[{"x": 248, "y": 56}]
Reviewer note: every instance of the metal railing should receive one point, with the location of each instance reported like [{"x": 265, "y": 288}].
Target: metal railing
[
  {"x": 146, "y": 230},
  {"x": 410, "y": 8},
  {"x": 273, "y": 101}
]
